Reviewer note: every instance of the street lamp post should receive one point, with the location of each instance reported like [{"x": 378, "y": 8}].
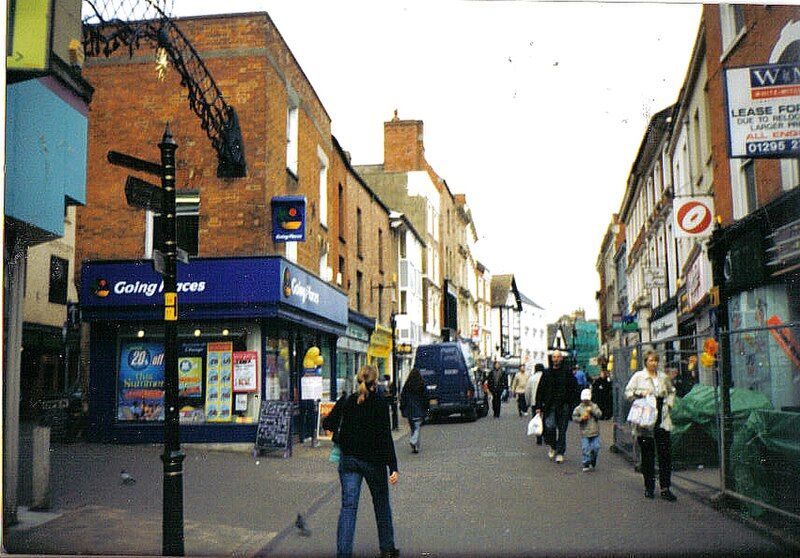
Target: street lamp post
[{"x": 172, "y": 518}]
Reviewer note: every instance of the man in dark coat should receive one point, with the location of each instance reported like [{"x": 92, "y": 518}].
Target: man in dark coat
[
  {"x": 497, "y": 382},
  {"x": 557, "y": 395},
  {"x": 601, "y": 394}
]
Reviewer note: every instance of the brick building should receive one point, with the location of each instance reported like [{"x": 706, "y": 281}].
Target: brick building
[
  {"x": 408, "y": 183},
  {"x": 243, "y": 297},
  {"x": 405, "y": 185},
  {"x": 755, "y": 261},
  {"x": 366, "y": 268}
]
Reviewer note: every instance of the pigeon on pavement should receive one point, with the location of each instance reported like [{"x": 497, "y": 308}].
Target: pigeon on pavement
[
  {"x": 126, "y": 478},
  {"x": 300, "y": 523}
]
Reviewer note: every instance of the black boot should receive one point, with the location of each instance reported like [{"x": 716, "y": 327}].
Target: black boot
[{"x": 394, "y": 553}]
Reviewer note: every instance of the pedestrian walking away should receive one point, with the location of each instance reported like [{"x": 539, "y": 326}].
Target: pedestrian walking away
[
  {"x": 556, "y": 397},
  {"x": 587, "y": 414},
  {"x": 367, "y": 449},
  {"x": 518, "y": 385},
  {"x": 530, "y": 392},
  {"x": 602, "y": 395},
  {"x": 414, "y": 406},
  {"x": 654, "y": 441},
  {"x": 497, "y": 384},
  {"x": 580, "y": 377}
]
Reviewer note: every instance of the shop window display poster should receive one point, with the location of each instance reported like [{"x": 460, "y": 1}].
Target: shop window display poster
[
  {"x": 190, "y": 376},
  {"x": 241, "y": 402},
  {"x": 219, "y": 382},
  {"x": 245, "y": 371},
  {"x": 140, "y": 388}
]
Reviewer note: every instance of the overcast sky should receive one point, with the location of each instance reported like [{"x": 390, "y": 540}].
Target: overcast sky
[{"x": 534, "y": 110}]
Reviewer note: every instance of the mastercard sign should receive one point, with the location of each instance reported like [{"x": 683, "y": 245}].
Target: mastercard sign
[{"x": 694, "y": 216}]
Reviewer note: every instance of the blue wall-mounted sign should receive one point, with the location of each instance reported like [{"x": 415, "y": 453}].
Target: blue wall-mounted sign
[
  {"x": 257, "y": 286},
  {"x": 289, "y": 219}
]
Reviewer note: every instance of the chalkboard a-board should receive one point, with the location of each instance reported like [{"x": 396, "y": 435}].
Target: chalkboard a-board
[{"x": 275, "y": 426}]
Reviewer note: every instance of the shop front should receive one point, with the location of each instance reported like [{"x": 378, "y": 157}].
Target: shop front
[
  {"x": 758, "y": 270},
  {"x": 351, "y": 351},
  {"x": 244, "y": 327},
  {"x": 379, "y": 352}
]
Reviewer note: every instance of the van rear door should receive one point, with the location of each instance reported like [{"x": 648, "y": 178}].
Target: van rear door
[
  {"x": 428, "y": 363},
  {"x": 453, "y": 378}
]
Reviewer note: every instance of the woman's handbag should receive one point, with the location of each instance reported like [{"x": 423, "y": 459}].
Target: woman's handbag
[
  {"x": 333, "y": 423},
  {"x": 535, "y": 426},
  {"x": 643, "y": 412}
]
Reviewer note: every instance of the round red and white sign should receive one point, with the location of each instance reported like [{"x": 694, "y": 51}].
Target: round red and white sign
[{"x": 694, "y": 217}]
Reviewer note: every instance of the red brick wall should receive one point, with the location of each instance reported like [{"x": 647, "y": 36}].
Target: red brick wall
[
  {"x": 403, "y": 148},
  {"x": 763, "y": 24},
  {"x": 131, "y": 107},
  {"x": 374, "y": 217}
]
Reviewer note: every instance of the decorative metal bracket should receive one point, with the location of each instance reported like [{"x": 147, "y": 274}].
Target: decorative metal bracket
[{"x": 112, "y": 24}]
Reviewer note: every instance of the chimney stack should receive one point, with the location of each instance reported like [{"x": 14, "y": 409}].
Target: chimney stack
[{"x": 403, "y": 149}]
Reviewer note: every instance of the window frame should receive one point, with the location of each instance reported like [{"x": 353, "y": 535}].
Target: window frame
[
  {"x": 185, "y": 198},
  {"x": 293, "y": 137},
  {"x": 323, "y": 187},
  {"x": 55, "y": 290}
]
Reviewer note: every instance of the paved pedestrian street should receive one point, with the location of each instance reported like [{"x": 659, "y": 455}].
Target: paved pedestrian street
[{"x": 476, "y": 489}]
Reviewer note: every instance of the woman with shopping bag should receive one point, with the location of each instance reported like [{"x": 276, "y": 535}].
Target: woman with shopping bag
[{"x": 649, "y": 389}]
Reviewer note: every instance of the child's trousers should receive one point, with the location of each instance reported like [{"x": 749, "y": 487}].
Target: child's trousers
[{"x": 590, "y": 448}]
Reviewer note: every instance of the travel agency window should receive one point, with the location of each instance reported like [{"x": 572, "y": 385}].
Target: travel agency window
[{"x": 218, "y": 373}]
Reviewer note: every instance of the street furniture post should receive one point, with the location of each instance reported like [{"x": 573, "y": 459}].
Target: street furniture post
[
  {"x": 143, "y": 195},
  {"x": 172, "y": 518}
]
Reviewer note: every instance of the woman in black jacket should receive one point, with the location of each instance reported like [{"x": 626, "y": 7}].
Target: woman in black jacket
[
  {"x": 414, "y": 406},
  {"x": 365, "y": 439}
]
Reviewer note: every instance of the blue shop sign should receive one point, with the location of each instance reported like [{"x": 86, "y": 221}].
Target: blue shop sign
[
  {"x": 262, "y": 285},
  {"x": 307, "y": 292},
  {"x": 288, "y": 219}
]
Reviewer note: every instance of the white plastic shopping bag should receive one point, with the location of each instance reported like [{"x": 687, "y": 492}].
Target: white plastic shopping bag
[
  {"x": 535, "y": 426},
  {"x": 643, "y": 412}
]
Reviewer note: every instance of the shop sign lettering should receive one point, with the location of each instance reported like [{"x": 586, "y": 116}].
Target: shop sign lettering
[
  {"x": 305, "y": 292},
  {"x": 150, "y": 289}
]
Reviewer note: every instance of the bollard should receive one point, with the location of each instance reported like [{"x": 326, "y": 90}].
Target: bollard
[{"x": 40, "y": 499}]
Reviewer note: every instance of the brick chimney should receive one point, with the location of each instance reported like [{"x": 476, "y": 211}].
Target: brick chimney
[{"x": 403, "y": 150}]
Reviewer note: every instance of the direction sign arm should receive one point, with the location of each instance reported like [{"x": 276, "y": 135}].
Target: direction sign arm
[{"x": 134, "y": 163}]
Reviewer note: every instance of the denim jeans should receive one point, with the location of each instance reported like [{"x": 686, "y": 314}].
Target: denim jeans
[
  {"x": 555, "y": 427},
  {"x": 590, "y": 447},
  {"x": 416, "y": 428},
  {"x": 351, "y": 471}
]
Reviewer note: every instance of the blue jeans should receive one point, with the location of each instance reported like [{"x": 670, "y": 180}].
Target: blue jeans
[
  {"x": 590, "y": 447},
  {"x": 555, "y": 427},
  {"x": 416, "y": 428},
  {"x": 351, "y": 471}
]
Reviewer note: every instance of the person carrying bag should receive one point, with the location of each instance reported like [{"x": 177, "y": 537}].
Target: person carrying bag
[
  {"x": 653, "y": 395},
  {"x": 365, "y": 439}
]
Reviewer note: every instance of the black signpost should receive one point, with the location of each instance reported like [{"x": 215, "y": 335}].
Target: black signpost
[{"x": 144, "y": 195}]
